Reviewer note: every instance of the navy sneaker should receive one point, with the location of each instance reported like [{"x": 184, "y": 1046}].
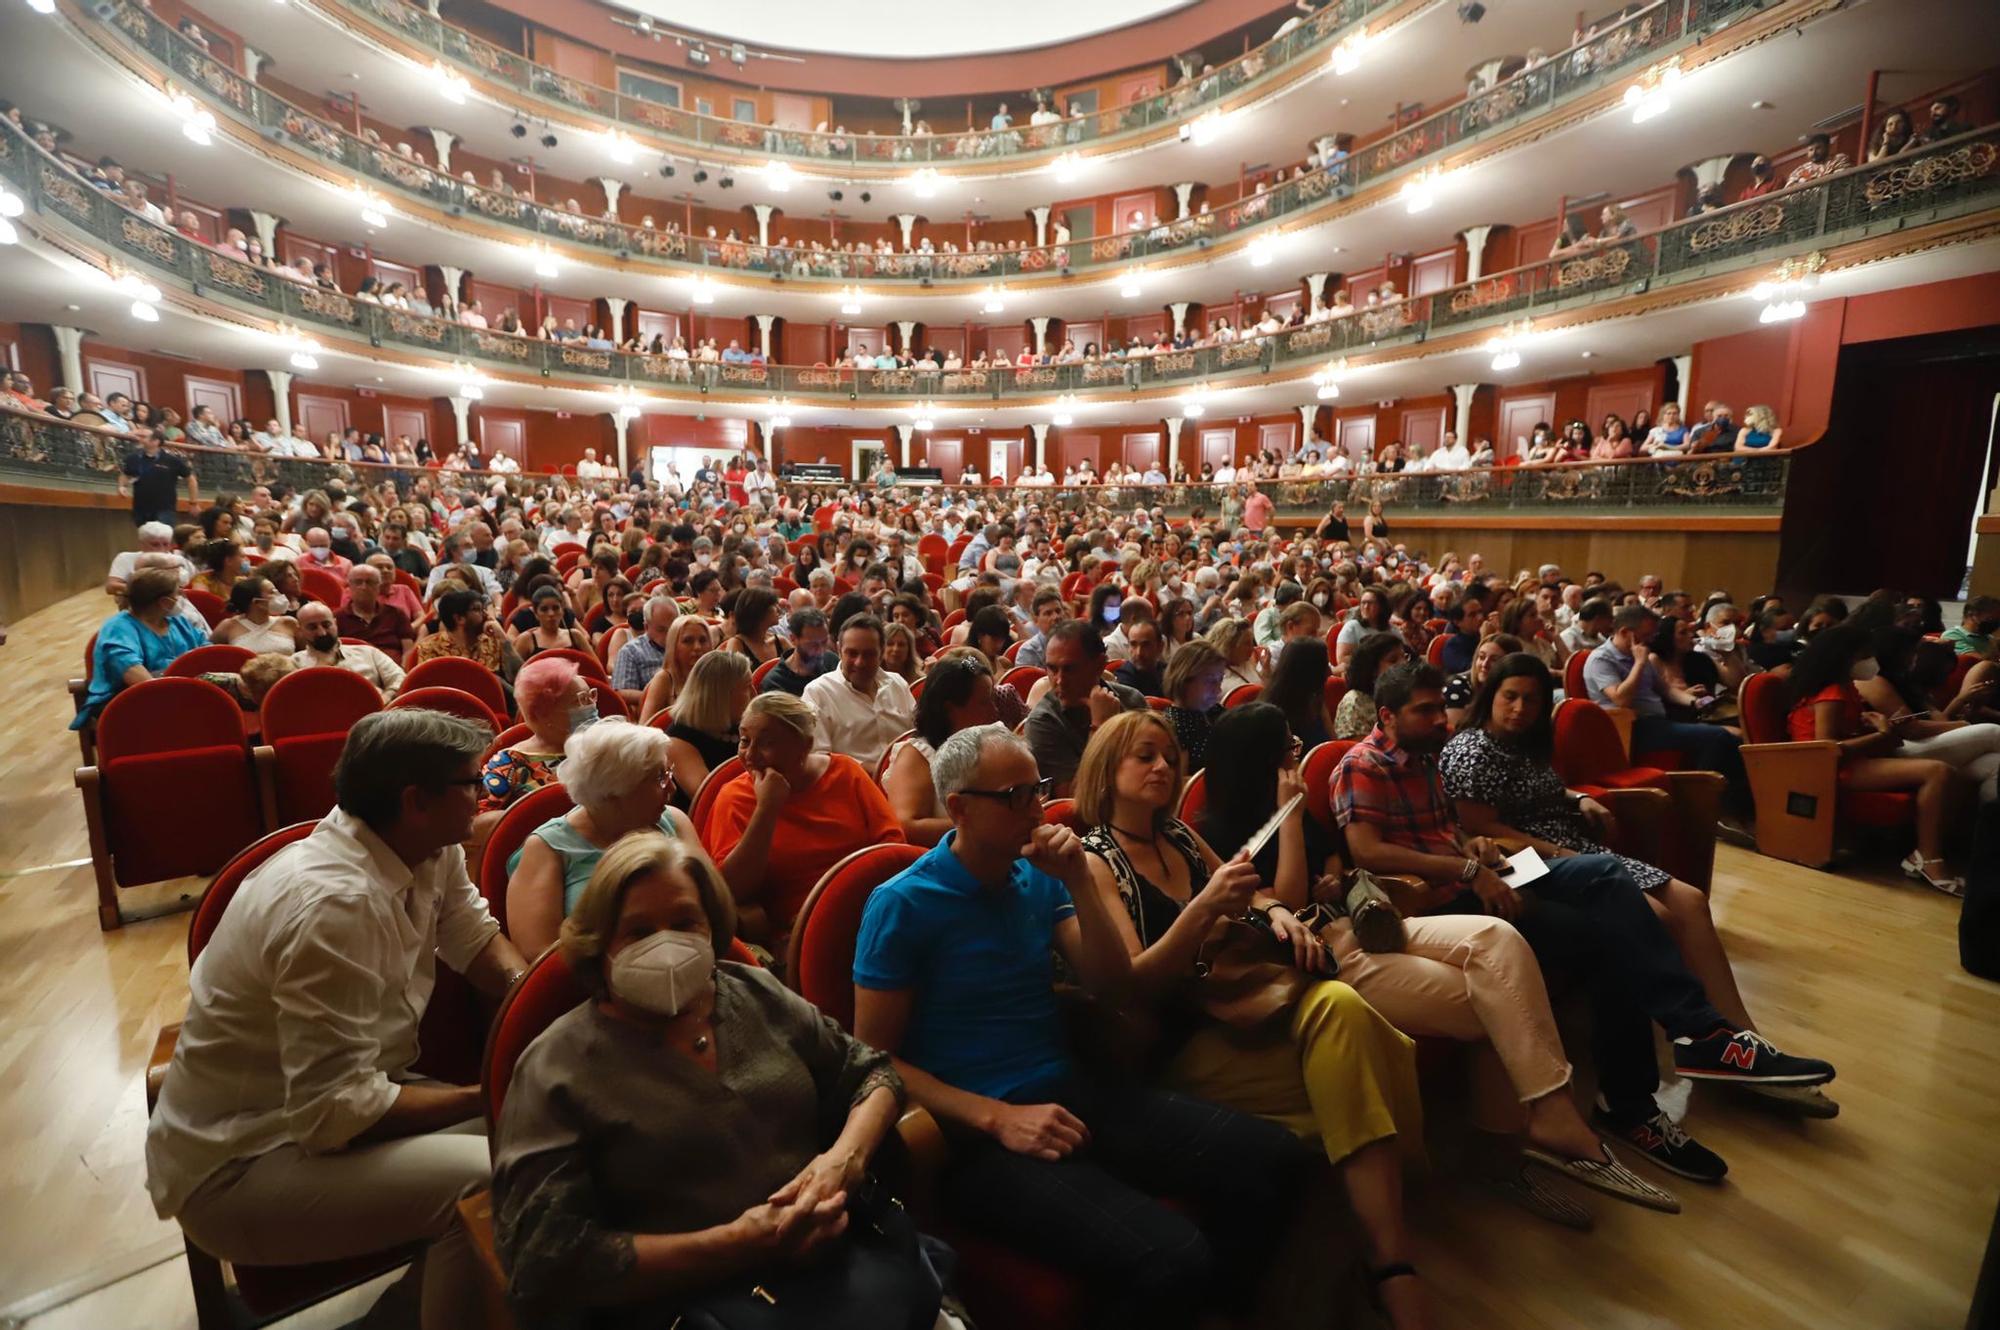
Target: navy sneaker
[
  {"x": 1748, "y": 1058},
  {"x": 1661, "y": 1140}
]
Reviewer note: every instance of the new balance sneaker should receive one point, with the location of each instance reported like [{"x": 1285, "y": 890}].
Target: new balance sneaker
[
  {"x": 1746, "y": 1057},
  {"x": 1661, "y": 1140}
]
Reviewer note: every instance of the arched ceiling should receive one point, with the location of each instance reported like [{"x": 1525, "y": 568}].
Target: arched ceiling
[{"x": 943, "y": 28}]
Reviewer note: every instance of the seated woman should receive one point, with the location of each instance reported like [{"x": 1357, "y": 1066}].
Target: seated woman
[
  {"x": 1334, "y": 1069},
  {"x": 755, "y": 616},
  {"x": 702, "y": 735},
  {"x": 1194, "y": 693},
  {"x": 1298, "y": 688},
  {"x": 790, "y": 815},
  {"x": 140, "y": 641},
  {"x": 689, "y": 638},
  {"x": 249, "y": 684},
  {"x": 991, "y": 632},
  {"x": 1460, "y": 689},
  {"x": 625, "y": 1179},
  {"x": 900, "y": 653},
  {"x": 1497, "y": 770},
  {"x": 1902, "y": 692},
  {"x": 1669, "y": 436},
  {"x": 1355, "y": 716},
  {"x": 1760, "y": 430},
  {"x": 619, "y": 775},
  {"x": 1238, "y": 645},
  {"x": 556, "y": 700},
  {"x": 251, "y": 625},
  {"x": 958, "y": 694},
  {"x": 222, "y": 566},
  {"x": 550, "y": 630},
  {"x": 1462, "y": 977},
  {"x": 1826, "y": 706}
]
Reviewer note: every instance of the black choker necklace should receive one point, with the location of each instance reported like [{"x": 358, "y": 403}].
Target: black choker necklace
[{"x": 1133, "y": 835}]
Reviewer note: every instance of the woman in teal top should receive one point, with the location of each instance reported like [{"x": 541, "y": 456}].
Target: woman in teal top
[
  {"x": 140, "y": 641},
  {"x": 1760, "y": 429},
  {"x": 621, "y": 779}
]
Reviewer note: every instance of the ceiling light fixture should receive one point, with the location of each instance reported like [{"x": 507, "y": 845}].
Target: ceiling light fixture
[
  {"x": 781, "y": 414},
  {"x": 145, "y": 296},
  {"x": 923, "y": 415},
  {"x": 1203, "y": 129},
  {"x": 924, "y": 181},
  {"x": 1785, "y": 292},
  {"x": 1132, "y": 285},
  {"x": 1346, "y": 57},
  {"x": 1651, "y": 95},
  {"x": 470, "y": 380},
  {"x": 702, "y": 291},
  {"x": 197, "y": 122},
  {"x": 42, "y": 6},
  {"x": 1506, "y": 343},
  {"x": 1326, "y": 382},
  {"x": 1195, "y": 404},
  {"x": 451, "y": 85},
  {"x": 374, "y": 212},
  {"x": 994, "y": 301},
  {"x": 1065, "y": 411},
  {"x": 619, "y": 146},
  {"x": 11, "y": 206},
  {"x": 850, "y": 300},
  {"x": 1066, "y": 167},
  {"x": 1262, "y": 250},
  {"x": 545, "y": 260},
  {"x": 1420, "y": 190},
  {"x": 778, "y": 177}
]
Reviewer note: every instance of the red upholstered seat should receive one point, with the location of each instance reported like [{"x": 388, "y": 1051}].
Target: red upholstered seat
[
  {"x": 588, "y": 665},
  {"x": 757, "y": 675},
  {"x": 1335, "y": 690},
  {"x": 322, "y": 585},
  {"x": 458, "y": 672},
  {"x": 1159, "y": 703},
  {"x": 1194, "y": 799},
  {"x": 212, "y": 606},
  {"x": 1877, "y": 809},
  {"x": 704, "y": 798},
  {"x": 1802, "y": 796},
  {"x": 1434, "y": 653},
  {"x": 1023, "y": 677},
  {"x": 1317, "y": 773},
  {"x": 509, "y": 834},
  {"x": 1242, "y": 693},
  {"x": 454, "y": 701},
  {"x": 820, "y": 964},
  {"x": 216, "y": 658},
  {"x": 507, "y": 738},
  {"x": 1588, "y": 751},
  {"x": 1062, "y": 812},
  {"x": 173, "y": 793},
  {"x": 304, "y": 723},
  {"x": 889, "y": 753},
  {"x": 1763, "y": 705},
  {"x": 1573, "y": 675}
]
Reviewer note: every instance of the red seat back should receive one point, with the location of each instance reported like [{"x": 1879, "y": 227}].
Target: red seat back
[
  {"x": 318, "y": 700},
  {"x": 1434, "y": 653},
  {"x": 177, "y": 789},
  {"x": 322, "y": 585},
  {"x": 1764, "y": 704},
  {"x": 454, "y": 701},
  {"x": 1062, "y": 813},
  {"x": 820, "y": 965},
  {"x": 1194, "y": 799},
  {"x": 212, "y": 606},
  {"x": 704, "y": 798},
  {"x": 757, "y": 675},
  {"x": 467, "y": 675},
  {"x": 889, "y": 753},
  {"x": 208, "y": 912},
  {"x": 1336, "y": 689},
  {"x": 507, "y": 738},
  {"x": 1573, "y": 675},
  {"x": 168, "y": 716},
  {"x": 510, "y": 833},
  {"x": 548, "y": 991},
  {"x": 1023, "y": 677},
  {"x": 218, "y": 658},
  {"x": 953, "y": 620},
  {"x": 588, "y": 665},
  {"x": 1317, "y": 773},
  {"x": 1243, "y": 693},
  {"x": 1587, "y": 744}
]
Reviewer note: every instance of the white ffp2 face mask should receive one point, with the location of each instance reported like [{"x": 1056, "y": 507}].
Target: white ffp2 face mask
[
  {"x": 663, "y": 974},
  {"x": 1864, "y": 670}
]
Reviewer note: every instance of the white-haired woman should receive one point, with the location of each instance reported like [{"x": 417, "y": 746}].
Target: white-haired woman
[
  {"x": 621, "y": 779},
  {"x": 669, "y": 1148},
  {"x": 703, "y": 733}
]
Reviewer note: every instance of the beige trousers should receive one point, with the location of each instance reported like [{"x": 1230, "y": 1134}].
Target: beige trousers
[{"x": 288, "y": 1207}]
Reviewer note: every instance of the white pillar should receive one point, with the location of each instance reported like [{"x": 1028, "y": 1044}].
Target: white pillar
[
  {"x": 612, "y": 189},
  {"x": 442, "y": 140},
  {"x": 1708, "y": 172},
  {"x": 906, "y": 222},
  {"x": 1041, "y": 429},
  {"x": 454, "y": 281},
  {"x": 1041, "y": 326},
  {"x": 1683, "y": 370},
  {"x": 617, "y": 306},
  {"x": 266, "y": 227},
  {"x": 1180, "y": 309},
  {"x": 281, "y": 394},
  {"x": 1184, "y": 197},
  {"x": 1174, "y": 424},
  {"x": 1041, "y": 216},
  {"x": 254, "y": 61},
  {"x": 1308, "y": 413},
  {"x": 764, "y": 322},
  {"x": 1475, "y": 257},
  {"x": 763, "y": 211},
  {"x": 1462, "y": 419},
  {"x": 903, "y": 433},
  {"x": 69, "y": 350},
  {"x": 907, "y": 330},
  {"x": 1316, "y": 291},
  {"x": 461, "y": 407},
  {"x": 622, "y": 423}
]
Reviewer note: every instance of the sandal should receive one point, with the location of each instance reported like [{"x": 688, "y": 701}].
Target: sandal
[
  {"x": 1918, "y": 868},
  {"x": 1606, "y": 1175}
]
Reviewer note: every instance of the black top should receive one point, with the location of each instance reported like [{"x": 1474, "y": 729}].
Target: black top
[
  {"x": 1191, "y": 733},
  {"x": 155, "y": 480},
  {"x": 784, "y": 679},
  {"x": 1146, "y": 681},
  {"x": 714, "y": 751},
  {"x": 1334, "y": 529}
]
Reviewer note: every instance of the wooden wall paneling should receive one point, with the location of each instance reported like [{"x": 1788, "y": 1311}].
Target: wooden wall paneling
[
  {"x": 1278, "y": 437},
  {"x": 1005, "y": 457},
  {"x": 804, "y": 344},
  {"x": 566, "y": 309},
  {"x": 291, "y": 246},
  {"x": 413, "y": 422},
  {"x": 389, "y": 272},
  {"x": 1433, "y": 272},
  {"x": 503, "y": 434},
  {"x": 1519, "y": 414},
  {"x": 1146, "y": 327},
  {"x": 320, "y": 416},
  {"x": 948, "y": 456},
  {"x": 1423, "y": 426},
  {"x": 1626, "y": 399},
  {"x": 1355, "y": 435},
  {"x": 1083, "y": 334},
  {"x": 791, "y": 111},
  {"x": 224, "y": 396},
  {"x": 948, "y": 338},
  {"x": 1133, "y": 211},
  {"x": 1652, "y": 210},
  {"x": 1073, "y": 449},
  {"x": 870, "y": 340},
  {"x": 1006, "y": 340},
  {"x": 1359, "y": 284},
  {"x": 495, "y": 299},
  {"x": 106, "y": 377},
  {"x": 1532, "y": 244},
  {"x": 1140, "y": 450},
  {"x": 1218, "y": 449},
  {"x": 1282, "y": 303},
  {"x": 660, "y": 322}
]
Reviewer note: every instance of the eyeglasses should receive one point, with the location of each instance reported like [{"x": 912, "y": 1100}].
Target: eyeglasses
[{"x": 1020, "y": 798}]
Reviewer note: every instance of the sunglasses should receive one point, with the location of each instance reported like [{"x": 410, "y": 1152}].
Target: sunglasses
[{"x": 1020, "y": 798}]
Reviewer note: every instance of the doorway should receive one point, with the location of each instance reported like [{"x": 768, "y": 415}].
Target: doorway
[{"x": 867, "y": 455}]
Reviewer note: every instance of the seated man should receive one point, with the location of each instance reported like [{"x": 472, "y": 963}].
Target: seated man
[
  {"x": 1079, "y": 700},
  {"x": 807, "y": 658},
  {"x": 1141, "y": 670},
  {"x": 291, "y": 1127},
  {"x": 953, "y": 978},
  {"x": 321, "y": 635},
  {"x": 369, "y": 618},
  {"x": 1048, "y": 609},
  {"x": 1585, "y": 916},
  {"x": 154, "y": 538},
  {"x": 862, "y": 707},
  {"x": 1620, "y": 673},
  {"x": 1465, "y": 618}
]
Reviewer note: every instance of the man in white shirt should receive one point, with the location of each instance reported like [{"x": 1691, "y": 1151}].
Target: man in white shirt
[
  {"x": 504, "y": 463},
  {"x": 1452, "y": 456},
  {"x": 1226, "y": 474},
  {"x": 269, "y": 439},
  {"x": 863, "y": 707},
  {"x": 291, "y": 1128},
  {"x": 570, "y": 532},
  {"x": 317, "y": 629},
  {"x": 154, "y": 538},
  {"x": 589, "y": 468}
]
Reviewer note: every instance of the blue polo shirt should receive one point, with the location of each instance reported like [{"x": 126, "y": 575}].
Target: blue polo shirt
[
  {"x": 1607, "y": 666},
  {"x": 980, "y": 963}
]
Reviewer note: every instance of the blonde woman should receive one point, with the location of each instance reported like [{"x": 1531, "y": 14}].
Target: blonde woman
[
  {"x": 1760, "y": 430},
  {"x": 689, "y": 638},
  {"x": 1237, "y": 645},
  {"x": 703, "y": 733},
  {"x": 901, "y": 655}
]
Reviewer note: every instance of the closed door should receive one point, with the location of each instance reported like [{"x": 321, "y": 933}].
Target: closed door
[
  {"x": 791, "y": 111},
  {"x": 803, "y": 344},
  {"x": 1003, "y": 458},
  {"x": 503, "y": 434},
  {"x": 1005, "y": 343},
  {"x": 321, "y": 416},
  {"x": 1083, "y": 334},
  {"x": 653, "y": 323},
  {"x": 866, "y": 339},
  {"x": 226, "y": 398},
  {"x": 1218, "y": 448},
  {"x": 1518, "y": 418},
  {"x": 1423, "y": 427},
  {"x": 1623, "y": 399},
  {"x": 1073, "y": 450},
  {"x": 1133, "y": 211},
  {"x": 411, "y": 422},
  {"x": 388, "y": 272},
  {"x": 1356, "y": 436},
  {"x": 1278, "y": 438},
  {"x": 1141, "y": 450},
  {"x": 106, "y": 377},
  {"x": 1433, "y": 272},
  {"x": 1136, "y": 89},
  {"x": 948, "y": 456}
]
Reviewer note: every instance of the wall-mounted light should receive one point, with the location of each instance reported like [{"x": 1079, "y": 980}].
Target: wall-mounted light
[
  {"x": 1784, "y": 293},
  {"x": 1506, "y": 343},
  {"x": 778, "y": 177},
  {"x": 545, "y": 261},
  {"x": 1262, "y": 250},
  {"x": 994, "y": 301},
  {"x": 1132, "y": 285},
  {"x": 1066, "y": 167},
  {"x": 1651, "y": 95}
]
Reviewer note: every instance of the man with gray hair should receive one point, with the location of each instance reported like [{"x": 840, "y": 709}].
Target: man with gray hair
[
  {"x": 154, "y": 538},
  {"x": 953, "y": 978},
  {"x": 640, "y": 659},
  {"x": 292, "y": 1127}
]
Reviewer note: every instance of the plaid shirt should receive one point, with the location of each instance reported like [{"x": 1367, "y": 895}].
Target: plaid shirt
[{"x": 1396, "y": 791}]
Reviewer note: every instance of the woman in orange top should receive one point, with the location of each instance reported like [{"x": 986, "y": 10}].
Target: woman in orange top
[
  {"x": 1827, "y": 706},
  {"x": 789, "y": 816}
]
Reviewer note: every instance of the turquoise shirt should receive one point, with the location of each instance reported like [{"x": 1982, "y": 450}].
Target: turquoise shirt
[
  {"x": 579, "y": 857},
  {"x": 125, "y": 641}
]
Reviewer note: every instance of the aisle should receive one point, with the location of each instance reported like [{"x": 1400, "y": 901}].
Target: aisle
[{"x": 1874, "y": 1221}]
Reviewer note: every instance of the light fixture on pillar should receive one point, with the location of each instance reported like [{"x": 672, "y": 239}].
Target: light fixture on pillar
[
  {"x": 197, "y": 122},
  {"x": 778, "y": 177},
  {"x": 1420, "y": 190},
  {"x": 1326, "y": 381},
  {"x": 1784, "y": 294},
  {"x": 451, "y": 84},
  {"x": 1652, "y": 94},
  {"x": 619, "y": 147},
  {"x": 627, "y": 404},
  {"x": 993, "y": 301},
  {"x": 1132, "y": 285},
  {"x": 545, "y": 260},
  {"x": 850, "y": 300},
  {"x": 701, "y": 291},
  {"x": 1346, "y": 56},
  {"x": 471, "y": 383},
  {"x": 11, "y": 206},
  {"x": 1067, "y": 167},
  {"x": 145, "y": 297},
  {"x": 924, "y": 181},
  {"x": 1506, "y": 343},
  {"x": 1065, "y": 410}
]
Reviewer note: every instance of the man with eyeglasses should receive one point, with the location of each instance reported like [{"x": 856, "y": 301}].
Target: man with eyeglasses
[
  {"x": 292, "y": 1080},
  {"x": 954, "y": 979},
  {"x": 1060, "y": 725}
]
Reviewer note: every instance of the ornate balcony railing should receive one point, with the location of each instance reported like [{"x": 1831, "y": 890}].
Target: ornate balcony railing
[
  {"x": 1948, "y": 179},
  {"x": 50, "y": 452},
  {"x": 1646, "y": 35}
]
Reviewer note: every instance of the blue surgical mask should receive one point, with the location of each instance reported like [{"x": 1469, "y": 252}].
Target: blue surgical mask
[
  {"x": 582, "y": 717},
  {"x": 1111, "y": 612}
]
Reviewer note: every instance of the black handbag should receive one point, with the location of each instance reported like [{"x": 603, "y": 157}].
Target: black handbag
[{"x": 881, "y": 1275}]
